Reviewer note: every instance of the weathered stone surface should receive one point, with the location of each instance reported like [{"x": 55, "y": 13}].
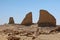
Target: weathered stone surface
[
  {"x": 46, "y": 19},
  {"x": 28, "y": 19},
  {"x": 13, "y": 38},
  {"x": 11, "y": 20},
  {"x": 56, "y": 30}
]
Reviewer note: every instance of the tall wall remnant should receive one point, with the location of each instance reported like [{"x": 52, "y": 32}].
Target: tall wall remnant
[
  {"x": 46, "y": 19},
  {"x": 28, "y": 19},
  {"x": 11, "y": 20}
]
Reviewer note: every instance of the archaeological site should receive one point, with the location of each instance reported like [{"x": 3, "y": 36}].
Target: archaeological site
[
  {"x": 45, "y": 28},
  {"x": 45, "y": 19}
]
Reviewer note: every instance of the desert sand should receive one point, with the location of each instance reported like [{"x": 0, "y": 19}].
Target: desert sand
[{"x": 33, "y": 32}]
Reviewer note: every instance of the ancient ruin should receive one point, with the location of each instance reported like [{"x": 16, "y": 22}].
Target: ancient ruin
[
  {"x": 28, "y": 19},
  {"x": 11, "y": 20},
  {"x": 44, "y": 30},
  {"x": 46, "y": 19}
]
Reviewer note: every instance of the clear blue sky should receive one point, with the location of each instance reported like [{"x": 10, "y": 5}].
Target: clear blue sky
[{"x": 19, "y": 8}]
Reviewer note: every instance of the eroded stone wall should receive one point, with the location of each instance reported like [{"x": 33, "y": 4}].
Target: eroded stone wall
[
  {"x": 11, "y": 20},
  {"x": 28, "y": 19},
  {"x": 46, "y": 19}
]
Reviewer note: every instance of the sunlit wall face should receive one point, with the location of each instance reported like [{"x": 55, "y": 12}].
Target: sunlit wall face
[{"x": 19, "y": 8}]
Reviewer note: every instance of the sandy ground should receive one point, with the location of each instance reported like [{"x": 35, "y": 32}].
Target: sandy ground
[
  {"x": 34, "y": 36},
  {"x": 40, "y": 37},
  {"x": 49, "y": 37}
]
